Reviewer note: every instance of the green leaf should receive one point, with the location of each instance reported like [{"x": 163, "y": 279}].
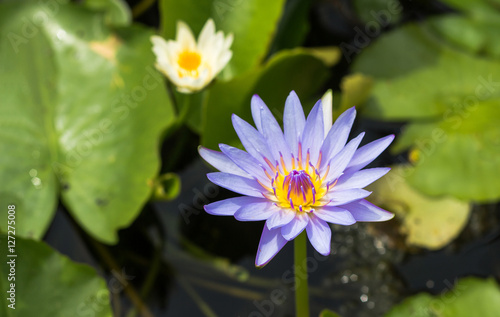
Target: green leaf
[
  {"x": 427, "y": 222},
  {"x": 464, "y": 147},
  {"x": 48, "y": 284},
  {"x": 167, "y": 187},
  {"x": 418, "y": 78},
  {"x": 252, "y": 22},
  {"x": 328, "y": 313},
  {"x": 378, "y": 12},
  {"x": 117, "y": 12},
  {"x": 469, "y": 297},
  {"x": 82, "y": 114},
  {"x": 286, "y": 71},
  {"x": 293, "y": 26}
]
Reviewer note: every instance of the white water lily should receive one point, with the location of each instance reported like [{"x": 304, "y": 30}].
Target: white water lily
[{"x": 192, "y": 65}]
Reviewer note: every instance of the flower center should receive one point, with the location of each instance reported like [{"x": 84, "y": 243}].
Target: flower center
[
  {"x": 189, "y": 60},
  {"x": 296, "y": 190}
]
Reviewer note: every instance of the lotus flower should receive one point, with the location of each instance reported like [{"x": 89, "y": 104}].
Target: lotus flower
[
  {"x": 192, "y": 65},
  {"x": 298, "y": 180}
]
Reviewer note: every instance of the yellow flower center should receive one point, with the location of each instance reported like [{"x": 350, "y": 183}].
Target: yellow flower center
[
  {"x": 300, "y": 189},
  {"x": 189, "y": 60}
]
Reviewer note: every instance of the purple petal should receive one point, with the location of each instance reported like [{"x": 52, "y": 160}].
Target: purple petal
[
  {"x": 255, "y": 211},
  {"x": 362, "y": 178},
  {"x": 337, "y": 137},
  {"x": 256, "y": 104},
  {"x": 221, "y": 162},
  {"x": 252, "y": 140},
  {"x": 270, "y": 243},
  {"x": 281, "y": 218},
  {"x": 275, "y": 139},
  {"x": 228, "y": 207},
  {"x": 320, "y": 235},
  {"x": 313, "y": 133},
  {"x": 341, "y": 197},
  {"x": 237, "y": 184},
  {"x": 295, "y": 227},
  {"x": 327, "y": 102},
  {"x": 247, "y": 162},
  {"x": 364, "y": 211},
  {"x": 339, "y": 162},
  {"x": 335, "y": 215},
  {"x": 367, "y": 153},
  {"x": 293, "y": 122}
]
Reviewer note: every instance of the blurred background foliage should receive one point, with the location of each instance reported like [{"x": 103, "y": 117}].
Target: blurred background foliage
[{"x": 99, "y": 155}]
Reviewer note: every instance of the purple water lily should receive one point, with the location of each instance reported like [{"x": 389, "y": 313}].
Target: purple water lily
[{"x": 300, "y": 179}]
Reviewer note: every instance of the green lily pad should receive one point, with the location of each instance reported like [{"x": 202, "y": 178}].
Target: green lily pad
[
  {"x": 47, "y": 284},
  {"x": 457, "y": 156},
  {"x": 82, "y": 114},
  {"x": 469, "y": 297},
  {"x": 252, "y": 22},
  {"x": 416, "y": 77},
  {"x": 427, "y": 222},
  {"x": 379, "y": 12},
  {"x": 117, "y": 12},
  {"x": 328, "y": 313},
  {"x": 296, "y": 69},
  {"x": 452, "y": 98}
]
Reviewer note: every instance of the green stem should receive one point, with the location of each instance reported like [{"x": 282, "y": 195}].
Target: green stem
[{"x": 301, "y": 287}]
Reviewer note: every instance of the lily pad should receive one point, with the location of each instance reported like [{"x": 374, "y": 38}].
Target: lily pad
[
  {"x": 469, "y": 297},
  {"x": 452, "y": 98},
  {"x": 427, "y": 222},
  {"x": 47, "y": 284},
  {"x": 416, "y": 77},
  {"x": 82, "y": 113}
]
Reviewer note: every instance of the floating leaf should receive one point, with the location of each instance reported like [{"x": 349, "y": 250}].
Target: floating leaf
[
  {"x": 426, "y": 221},
  {"x": 416, "y": 77},
  {"x": 81, "y": 118},
  {"x": 469, "y": 297},
  {"x": 48, "y": 284},
  {"x": 328, "y": 313}
]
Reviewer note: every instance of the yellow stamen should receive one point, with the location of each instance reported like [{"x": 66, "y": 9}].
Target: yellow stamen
[{"x": 189, "y": 60}]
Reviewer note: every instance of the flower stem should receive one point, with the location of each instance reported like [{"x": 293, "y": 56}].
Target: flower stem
[{"x": 301, "y": 287}]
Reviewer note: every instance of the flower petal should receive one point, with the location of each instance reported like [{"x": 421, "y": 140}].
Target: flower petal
[
  {"x": 256, "y": 104},
  {"x": 237, "y": 184},
  {"x": 362, "y": 178},
  {"x": 255, "y": 211},
  {"x": 335, "y": 215},
  {"x": 293, "y": 122},
  {"x": 337, "y": 136},
  {"x": 207, "y": 36},
  {"x": 367, "y": 153},
  {"x": 320, "y": 235},
  {"x": 339, "y": 162},
  {"x": 341, "y": 197},
  {"x": 221, "y": 162},
  {"x": 228, "y": 207},
  {"x": 184, "y": 36},
  {"x": 295, "y": 227},
  {"x": 327, "y": 102},
  {"x": 281, "y": 218},
  {"x": 273, "y": 134},
  {"x": 246, "y": 162},
  {"x": 313, "y": 133},
  {"x": 252, "y": 140},
  {"x": 365, "y": 211},
  {"x": 270, "y": 243}
]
